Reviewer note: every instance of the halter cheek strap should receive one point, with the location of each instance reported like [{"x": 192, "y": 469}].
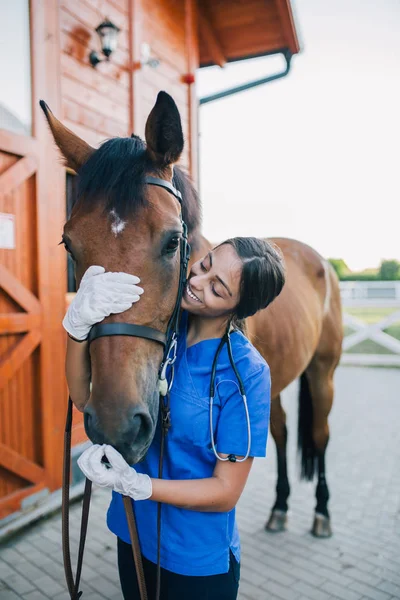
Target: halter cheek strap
[{"x": 143, "y": 331}]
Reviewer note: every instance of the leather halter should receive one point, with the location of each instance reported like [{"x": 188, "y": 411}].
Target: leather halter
[{"x": 143, "y": 331}]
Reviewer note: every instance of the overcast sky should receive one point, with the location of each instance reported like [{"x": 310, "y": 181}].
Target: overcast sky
[{"x": 314, "y": 156}]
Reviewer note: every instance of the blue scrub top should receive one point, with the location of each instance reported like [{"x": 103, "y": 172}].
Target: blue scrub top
[{"x": 192, "y": 542}]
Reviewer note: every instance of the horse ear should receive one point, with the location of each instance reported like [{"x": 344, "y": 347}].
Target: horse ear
[
  {"x": 164, "y": 135},
  {"x": 75, "y": 151}
]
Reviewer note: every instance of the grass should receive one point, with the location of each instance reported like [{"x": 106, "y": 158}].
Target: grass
[{"x": 370, "y": 315}]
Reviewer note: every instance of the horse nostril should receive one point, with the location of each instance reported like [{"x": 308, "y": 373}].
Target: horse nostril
[
  {"x": 141, "y": 427},
  {"x": 90, "y": 422}
]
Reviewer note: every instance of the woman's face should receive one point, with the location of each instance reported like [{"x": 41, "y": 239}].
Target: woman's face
[{"x": 212, "y": 289}]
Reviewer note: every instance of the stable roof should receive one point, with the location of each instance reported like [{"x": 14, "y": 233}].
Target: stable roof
[{"x": 232, "y": 30}]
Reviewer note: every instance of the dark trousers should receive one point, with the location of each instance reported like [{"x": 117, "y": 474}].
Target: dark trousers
[{"x": 174, "y": 586}]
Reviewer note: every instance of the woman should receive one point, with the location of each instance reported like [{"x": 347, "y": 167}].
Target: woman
[{"x": 200, "y": 543}]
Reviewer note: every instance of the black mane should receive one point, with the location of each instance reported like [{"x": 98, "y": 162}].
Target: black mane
[{"x": 114, "y": 175}]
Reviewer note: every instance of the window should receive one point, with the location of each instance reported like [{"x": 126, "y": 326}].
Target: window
[{"x": 15, "y": 67}]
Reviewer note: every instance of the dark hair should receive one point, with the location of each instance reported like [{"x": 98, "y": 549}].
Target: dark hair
[
  {"x": 263, "y": 274},
  {"x": 115, "y": 173}
]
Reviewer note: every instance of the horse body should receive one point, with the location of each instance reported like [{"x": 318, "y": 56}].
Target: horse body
[{"x": 300, "y": 335}]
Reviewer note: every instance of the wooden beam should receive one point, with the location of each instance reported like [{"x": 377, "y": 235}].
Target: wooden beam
[
  {"x": 19, "y": 293},
  {"x": 12, "y": 323},
  {"x": 12, "y": 502},
  {"x": 21, "y": 466},
  {"x": 17, "y": 174},
  {"x": 11, "y": 361},
  {"x": 136, "y": 121},
  {"x": 192, "y": 57},
  {"x": 288, "y": 25},
  {"x": 210, "y": 37}
]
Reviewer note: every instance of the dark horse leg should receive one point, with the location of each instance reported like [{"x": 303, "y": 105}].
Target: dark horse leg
[
  {"x": 278, "y": 518},
  {"x": 316, "y": 397}
]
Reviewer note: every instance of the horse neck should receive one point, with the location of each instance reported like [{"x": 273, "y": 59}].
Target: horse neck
[{"x": 200, "y": 246}]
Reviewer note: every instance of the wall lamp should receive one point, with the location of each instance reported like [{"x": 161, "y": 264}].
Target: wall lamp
[{"x": 108, "y": 33}]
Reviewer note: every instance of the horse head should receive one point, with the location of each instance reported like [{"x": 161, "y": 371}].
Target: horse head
[{"x": 123, "y": 224}]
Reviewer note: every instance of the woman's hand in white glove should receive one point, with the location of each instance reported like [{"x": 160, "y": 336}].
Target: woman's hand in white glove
[
  {"x": 119, "y": 476},
  {"x": 100, "y": 294}
]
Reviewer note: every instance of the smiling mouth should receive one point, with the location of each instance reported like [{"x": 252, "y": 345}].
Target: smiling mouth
[{"x": 191, "y": 294}]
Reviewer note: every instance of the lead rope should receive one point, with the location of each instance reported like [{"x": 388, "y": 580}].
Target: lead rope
[
  {"x": 73, "y": 584},
  {"x": 137, "y": 555}
]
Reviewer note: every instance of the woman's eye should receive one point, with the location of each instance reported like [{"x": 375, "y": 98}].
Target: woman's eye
[
  {"x": 172, "y": 245},
  {"x": 202, "y": 267},
  {"x": 214, "y": 292}
]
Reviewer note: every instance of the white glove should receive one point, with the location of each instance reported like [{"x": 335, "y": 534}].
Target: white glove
[
  {"x": 100, "y": 294},
  {"x": 120, "y": 476}
]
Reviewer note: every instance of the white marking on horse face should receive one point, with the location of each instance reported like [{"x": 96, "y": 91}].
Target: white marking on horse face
[{"x": 118, "y": 224}]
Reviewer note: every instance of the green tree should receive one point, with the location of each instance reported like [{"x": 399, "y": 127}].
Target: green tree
[
  {"x": 389, "y": 270},
  {"x": 340, "y": 266}
]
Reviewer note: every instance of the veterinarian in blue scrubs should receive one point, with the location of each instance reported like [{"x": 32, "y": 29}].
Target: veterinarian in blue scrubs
[{"x": 200, "y": 550}]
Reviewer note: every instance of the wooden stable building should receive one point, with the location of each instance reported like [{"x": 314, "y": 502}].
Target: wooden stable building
[{"x": 160, "y": 45}]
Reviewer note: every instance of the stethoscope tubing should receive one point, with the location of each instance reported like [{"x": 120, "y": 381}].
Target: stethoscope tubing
[{"x": 232, "y": 458}]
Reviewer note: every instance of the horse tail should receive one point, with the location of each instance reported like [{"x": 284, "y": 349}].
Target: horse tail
[{"x": 305, "y": 442}]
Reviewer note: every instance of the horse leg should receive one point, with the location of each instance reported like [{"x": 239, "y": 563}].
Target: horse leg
[
  {"x": 319, "y": 376},
  {"x": 278, "y": 518}
]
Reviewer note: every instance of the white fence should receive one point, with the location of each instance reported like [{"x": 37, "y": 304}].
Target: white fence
[{"x": 373, "y": 295}]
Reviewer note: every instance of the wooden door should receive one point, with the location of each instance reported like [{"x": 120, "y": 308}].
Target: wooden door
[{"x": 32, "y": 285}]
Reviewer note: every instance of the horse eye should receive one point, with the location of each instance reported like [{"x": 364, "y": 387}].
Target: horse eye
[
  {"x": 172, "y": 245},
  {"x": 67, "y": 248}
]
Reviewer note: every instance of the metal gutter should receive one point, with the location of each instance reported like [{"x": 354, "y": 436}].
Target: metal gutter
[{"x": 251, "y": 84}]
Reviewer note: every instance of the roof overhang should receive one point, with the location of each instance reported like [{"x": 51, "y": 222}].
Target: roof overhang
[{"x": 231, "y": 30}]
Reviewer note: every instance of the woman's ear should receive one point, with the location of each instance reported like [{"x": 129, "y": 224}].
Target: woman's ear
[{"x": 164, "y": 135}]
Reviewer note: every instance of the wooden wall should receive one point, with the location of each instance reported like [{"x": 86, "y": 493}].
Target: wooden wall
[{"x": 117, "y": 96}]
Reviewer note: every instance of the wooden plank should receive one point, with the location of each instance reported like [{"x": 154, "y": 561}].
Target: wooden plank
[
  {"x": 112, "y": 10},
  {"x": 158, "y": 81},
  {"x": 12, "y": 502},
  {"x": 232, "y": 14},
  {"x": 81, "y": 20},
  {"x": 116, "y": 69},
  {"x": 17, "y": 174},
  {"x": 91, "y": 119},
  {"x": 21, "y": 466},
  {"x": 210, "y": 37},
  {"x": 12, "y": 323},
  {"x": 136, "y": 119},
  {"x": 17, "y": 144},
  {"x": 50, "y": 210},
  {"x": 192, "y": 57},
  {"x": 91, "y": 137},
  {"x": 94, "y": 79},
  {"x": 121, "y": 5},
  {"x": 18, "y": 292},
  {"x": 11, "y": 361},
  {"x": 93, "y": 100}
]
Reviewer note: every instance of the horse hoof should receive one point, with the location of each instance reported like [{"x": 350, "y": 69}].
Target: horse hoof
[
  {"x": 277, "y": 521},
  {"x": 322, "y": 526}
]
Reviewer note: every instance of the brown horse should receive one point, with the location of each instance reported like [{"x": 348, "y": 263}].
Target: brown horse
[{"x": 123, "y": 224}]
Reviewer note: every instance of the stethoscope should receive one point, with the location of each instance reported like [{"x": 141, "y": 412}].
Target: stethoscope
[{"x": 227, "y": 340}]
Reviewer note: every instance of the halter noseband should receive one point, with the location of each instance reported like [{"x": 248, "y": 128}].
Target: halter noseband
[{"x": 168, "y": 339}]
